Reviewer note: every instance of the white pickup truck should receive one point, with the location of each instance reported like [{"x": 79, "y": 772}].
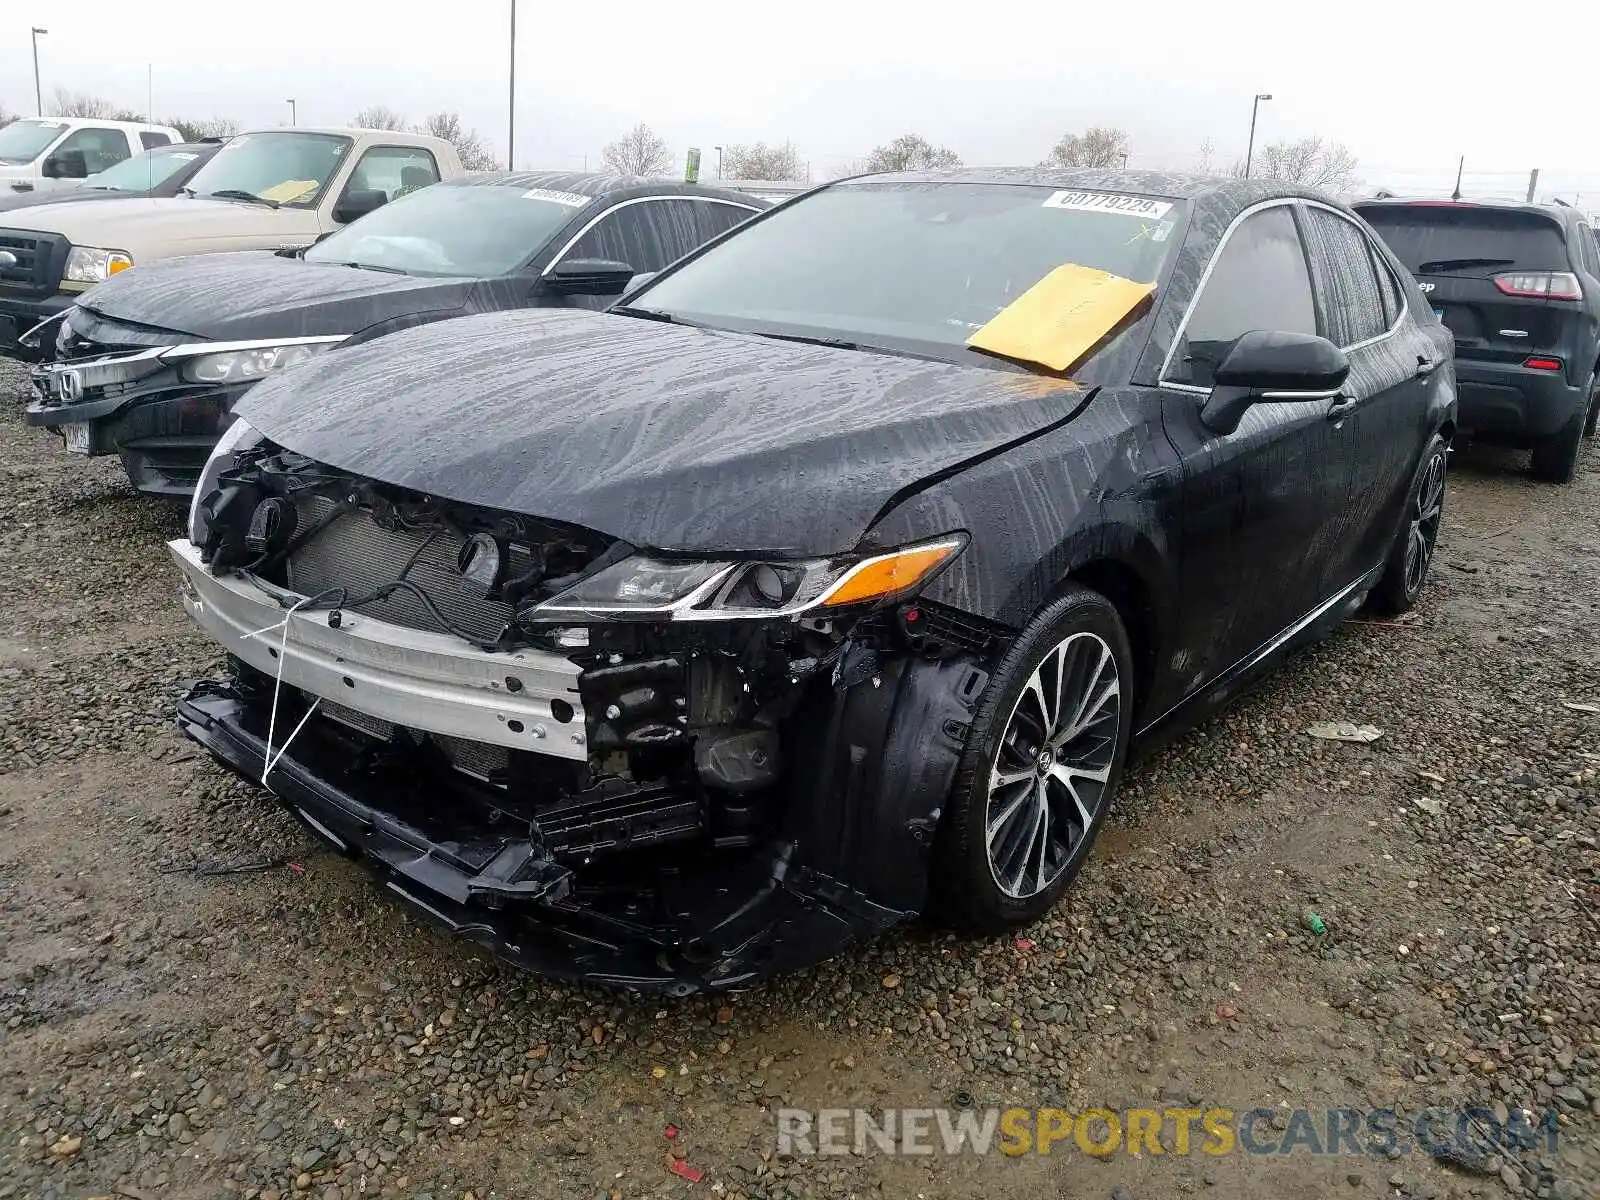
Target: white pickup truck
[
  {"x": 269, "y": 189},
  {"x": 40, "y": 154}
]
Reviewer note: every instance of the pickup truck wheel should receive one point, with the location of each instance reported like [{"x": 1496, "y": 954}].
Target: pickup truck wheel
[
  {"x": 1043, "y": 756},
  {"x": 1555, "y": 460}
]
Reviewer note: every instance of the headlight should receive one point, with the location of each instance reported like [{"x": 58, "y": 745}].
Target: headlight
[
  {"x": 241, "y": 435},
  {"x": 641, "y": 587},
  {"x": 90, "y": 264},
  {"x": 245, "y": 364}
]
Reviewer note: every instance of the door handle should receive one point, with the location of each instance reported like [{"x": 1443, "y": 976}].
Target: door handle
[
  {"x": 1342, "y": 407},
  {"x": 1425, "y": 366}
]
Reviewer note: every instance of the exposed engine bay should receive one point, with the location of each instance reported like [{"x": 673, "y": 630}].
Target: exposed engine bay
[{"x": 655, "y": 794}]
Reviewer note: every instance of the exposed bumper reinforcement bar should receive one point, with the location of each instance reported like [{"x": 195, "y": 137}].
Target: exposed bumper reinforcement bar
[{"x": 523, "y": 700}]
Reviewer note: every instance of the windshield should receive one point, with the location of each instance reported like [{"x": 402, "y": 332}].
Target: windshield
[
  {"x": 923, "y": 264},
  {"x": 143, "y": 172},
  {"x": 288, "y": 168},
  {"x": 21, "y": 141},
  {"x": 1468, "y": 240},
  {"x": 446, "y": 229}
]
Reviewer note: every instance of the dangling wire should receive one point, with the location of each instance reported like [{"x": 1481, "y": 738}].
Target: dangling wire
[{"x": 269, "y": 759}]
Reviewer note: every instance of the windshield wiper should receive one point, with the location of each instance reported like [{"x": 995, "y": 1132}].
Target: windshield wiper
[
  {"x": 1456, "y": 264},
  {"x": 648, "y": 314},
  {"x": 361, "y": 266},
  {"x": 809, "y": 340},
  {"x": 240, "y": 194}
]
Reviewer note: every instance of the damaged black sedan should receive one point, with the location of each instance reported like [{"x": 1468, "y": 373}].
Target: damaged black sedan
[
  {"x": 150, "y": 363},
  {"x": 827, "y": 580}
]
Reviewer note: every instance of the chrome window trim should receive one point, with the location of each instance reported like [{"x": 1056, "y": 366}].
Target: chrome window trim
[
  {"x": 619, "y": 206},
  {"x": 1205, "y": 277},
  {"x": 1372, "y": 252},
  {"x": 1239, "y": 219}
]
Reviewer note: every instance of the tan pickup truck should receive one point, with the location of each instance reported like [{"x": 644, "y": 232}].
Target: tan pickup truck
[{"x": 267, "y": 189}]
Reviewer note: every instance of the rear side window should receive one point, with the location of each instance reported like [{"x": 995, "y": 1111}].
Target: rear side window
[
  {"x": 1470, "y": 240},
  {"x": 1588, "y": 255},
  {"x": 1346, "y": 284},
  {"x": 1258, "y": 280},
  {"x": 150, "y": 140},
  {"x": 1393, "y": 301}
]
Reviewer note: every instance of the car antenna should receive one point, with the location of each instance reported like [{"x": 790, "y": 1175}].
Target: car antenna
[{"x": 1460, "y": 166}]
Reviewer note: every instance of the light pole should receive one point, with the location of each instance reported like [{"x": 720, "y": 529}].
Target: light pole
[
  {"x": 292, "y": 118},
  {"x": 511, "y": 96},
  {"x": 38, "y": 96},
  {"x": 1250, "y": 150},
  {"x": 719, "y": 161}
]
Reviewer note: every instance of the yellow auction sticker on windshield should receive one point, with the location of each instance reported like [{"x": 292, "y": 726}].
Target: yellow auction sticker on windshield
[
  {"x": 1062, "y": 317},
  {"x": 290, "y": 190},
  {"x": 1109, "y": 202}
]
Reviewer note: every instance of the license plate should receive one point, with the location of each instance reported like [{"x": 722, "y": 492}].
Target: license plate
[
  {"x": 1439, "y": 313},
  {"x": 77, "y": 435}
]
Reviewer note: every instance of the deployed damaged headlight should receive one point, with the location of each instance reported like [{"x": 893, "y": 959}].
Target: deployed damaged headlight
[
  {"x": 247, "y": 363},
  {"x": 241, "y": 435},
  {"x": 708, "y": 590}
]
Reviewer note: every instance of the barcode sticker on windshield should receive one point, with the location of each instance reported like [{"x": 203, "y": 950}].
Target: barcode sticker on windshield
[
  {"x": 572, "y": 199},
  {"x": 1107, "y": 202}
]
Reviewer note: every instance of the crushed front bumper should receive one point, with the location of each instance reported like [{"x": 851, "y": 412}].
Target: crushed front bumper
[{"x": 845, "y": 855}]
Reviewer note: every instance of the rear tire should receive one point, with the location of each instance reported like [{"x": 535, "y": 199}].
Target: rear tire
[
  {"x": 1594, "y": 409},
  {"x": 1406, "y": 570},
  {"x": 1555, "y": 460},
  {"x": 1042, "y": 760}
]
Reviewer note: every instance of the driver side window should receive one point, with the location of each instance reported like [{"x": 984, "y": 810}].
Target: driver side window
[
  {"x": 1258, "y": 280},
  {"x": 102, "y": 148}
]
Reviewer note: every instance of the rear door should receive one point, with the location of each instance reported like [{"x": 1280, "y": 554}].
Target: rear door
[
  {"x": 1383, "y": 418},
  {"x": 1490, "y": 273},
  {"x": 1258, "y": 502}
]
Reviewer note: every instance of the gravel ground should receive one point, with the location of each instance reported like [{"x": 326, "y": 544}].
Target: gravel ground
[{"x": 165, "y": 1032}]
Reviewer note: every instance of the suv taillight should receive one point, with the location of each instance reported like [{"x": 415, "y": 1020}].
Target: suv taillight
[{"x": 1540, "y": 285}]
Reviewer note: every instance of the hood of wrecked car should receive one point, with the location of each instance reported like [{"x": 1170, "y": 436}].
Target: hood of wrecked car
[
  {"x": 257, "y": 294},
  {"x": 666, "y": 436}
]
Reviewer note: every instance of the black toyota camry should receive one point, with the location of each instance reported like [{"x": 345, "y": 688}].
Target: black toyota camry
[
  {"x": 828, "y": 579},
  {"x": 151, "y": 362}
]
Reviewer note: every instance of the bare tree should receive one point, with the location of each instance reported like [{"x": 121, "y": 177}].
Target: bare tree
[
  {"x": 193, "y": 130},
  {"x": 637, "y": 152},
  {"x": 854, "y": 166},
  {"x": 1205, "y": 161},
  {"x": 378, "y": 117},
  {"x": 1309, "y": 161},
  {"x": 67, "y": 103},
  {"x": 911, "y": 152},
  {"x": 6, "y": 116},
  {"x": 1097, "y": 146},
  {"x": 757, "y": 160},
  {"x": 475, "y": 156}
]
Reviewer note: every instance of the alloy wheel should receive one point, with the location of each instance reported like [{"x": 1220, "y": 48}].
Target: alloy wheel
[
  {"x": 1426, "y": 511},
  {"x": 1052, "y": 770}
]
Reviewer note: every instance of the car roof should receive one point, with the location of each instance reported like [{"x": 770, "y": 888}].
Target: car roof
[
  {"x": 1171, "y": 185},
  {"x": 1563, "y": 214},
  {"x": 598, "y": 184}
]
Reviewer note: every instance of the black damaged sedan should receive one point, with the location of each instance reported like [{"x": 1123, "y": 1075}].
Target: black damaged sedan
[
  {"x": 825, "y": 582},
  {"x": 151, "y": 362}
]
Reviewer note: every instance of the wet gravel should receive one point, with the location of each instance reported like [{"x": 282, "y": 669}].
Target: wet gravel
[{"x": 197, "y": 1000}]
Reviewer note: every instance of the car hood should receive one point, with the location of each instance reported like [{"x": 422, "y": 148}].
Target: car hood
[
  {"x": 256, "y": 294},
  {"x": 11, "y": 201},
  {"x": 151, "y": 227},
  {"x": 665, "y": 436}
]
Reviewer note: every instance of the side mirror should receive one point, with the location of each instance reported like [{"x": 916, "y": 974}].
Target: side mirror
[
  {"x": 1262, "y": 365},
  {"x": 358, "y": 204},
  {"x": 589, "y": 277},
  {"x": 65, "y": 164}
]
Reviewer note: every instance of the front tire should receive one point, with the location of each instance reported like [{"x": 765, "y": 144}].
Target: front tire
[
  {"x": 1042, "y": 760},
  {"x": 1411, "y": 555}
]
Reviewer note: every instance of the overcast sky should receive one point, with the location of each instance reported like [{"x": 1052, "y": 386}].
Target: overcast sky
[{"x": 997, "y": 82}]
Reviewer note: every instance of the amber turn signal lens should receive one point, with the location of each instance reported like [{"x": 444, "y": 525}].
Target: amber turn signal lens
[{"x": 891, "y": 574}]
